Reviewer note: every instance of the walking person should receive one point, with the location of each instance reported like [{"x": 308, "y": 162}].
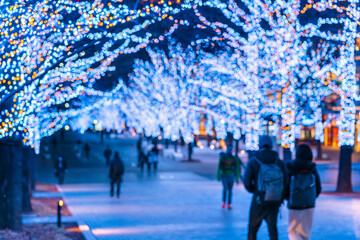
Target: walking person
[
  {"x": 265, "y": 176},
  {"x": 139, "y": 147},
  {"x": 115, "y": 173},
  {"x": 77, "y": 149},
  {"x": 107, "y": 154},
  {"x": 228, "y": 172},
  {"x": 62, "y": 134},
  {"x": 60, "y": 169},
  {"x": 87, "y": 150},
  {"x": 143, "y": 160},
  {"x": 304, "y": 187},
  {"x": 102, "y": 135},
  {"x": 144, "y": 154},
  {"x": 153, "y": 157}
]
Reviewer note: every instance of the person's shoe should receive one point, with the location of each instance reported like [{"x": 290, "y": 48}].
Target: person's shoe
[
  {"x": 223, "y": 205},
  {"x": 229, "y": 206}
]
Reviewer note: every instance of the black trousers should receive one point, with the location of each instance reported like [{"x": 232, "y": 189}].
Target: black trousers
[
  {"x": 61, "y": 176},
  {"x": 259, "y": 213},
  {"x": 112, "y": 183},
  {"x": 149, "y": 165}
]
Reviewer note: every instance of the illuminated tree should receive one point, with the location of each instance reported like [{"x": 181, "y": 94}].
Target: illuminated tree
[{"x": 52, "y": 53}]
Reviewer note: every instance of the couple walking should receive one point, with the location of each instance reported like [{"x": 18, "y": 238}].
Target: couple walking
[{"x": 271, "y": 181}]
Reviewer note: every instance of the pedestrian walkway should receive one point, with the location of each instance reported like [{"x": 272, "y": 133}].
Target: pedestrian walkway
[
  {"x": 180, "y": 201},
  {"x": 170, "y": 205}
]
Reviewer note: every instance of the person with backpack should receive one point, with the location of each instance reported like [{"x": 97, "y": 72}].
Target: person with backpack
[
  {"x": 304, "y": 188},
  {"x": 107, "y": 154},
  {"x": 265, "y": 176},
  {"x": 116, "y": 172},
  {"x": 228, "y": 171}
]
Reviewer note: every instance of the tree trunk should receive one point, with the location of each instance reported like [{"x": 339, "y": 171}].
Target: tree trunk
[
  {"x": 344, "y": 177},
  {"x": 229, "y": 139},
  {"x": 189, "y": 151},
  {"x": 286, "y": 154},
  {"x": 26, "y": 193},
  {"x": 10, "y": 184},
  {"x": 208, "y": 140},
  {"x": 319, "y": 150},
  {"x": 166, "y": 143},
  {"x": 33, "y": 168},
  {"x": 182, "y": 141}
]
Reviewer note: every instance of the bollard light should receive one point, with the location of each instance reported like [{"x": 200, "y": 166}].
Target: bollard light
[{"x": 60, "y": 204}]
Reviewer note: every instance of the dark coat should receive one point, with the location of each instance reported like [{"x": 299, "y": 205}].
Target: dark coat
[
  {"x": 60, "y": 165},
  {"x": 297, "y": 166},
  {"x": 266, "y": 156},
  {"x": 155, "y": 150},
  {"x": 107, "y": 153},
  {"x": 116, "y": 169},
  {"x": 87, "y": 147}
]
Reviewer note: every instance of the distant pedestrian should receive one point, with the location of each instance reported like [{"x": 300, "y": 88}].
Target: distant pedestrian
[
  {"x": 87, "y": 150},
  {"x": 153, "y": 157},
  {"x": 115, "y": 173},
  {"x": 142, "y": 159},
  {"x": 228, "y": 172},
  {"x": 144, "y": 154},
  {"x": 60, "y": 169},
  {"x": 107, "y": 154},
  {"x": 62, "y": 134},
  {"x": 301, "y": 193},
  {"x": 102, "y": 135},
  {"x": 77, "y": 149},
  {"x": 47, "y": 154},
  {"x": 265, "y": 177},
  {"x": 138, "y": 147}
]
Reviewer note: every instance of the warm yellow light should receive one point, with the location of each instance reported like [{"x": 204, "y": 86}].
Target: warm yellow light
[
  {"x": 61, "y": 203},
  {"x": 84, "y": 228}
]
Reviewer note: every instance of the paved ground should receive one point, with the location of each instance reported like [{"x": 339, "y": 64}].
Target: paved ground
[{"x": 180, "y": 201}]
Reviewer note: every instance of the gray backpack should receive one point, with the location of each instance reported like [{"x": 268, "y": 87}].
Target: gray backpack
[
  {"x": 302, "y": 191},
  {"x": 270, "y": 182}
]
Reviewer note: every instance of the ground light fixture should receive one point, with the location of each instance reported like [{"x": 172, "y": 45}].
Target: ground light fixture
[{"x": 59, "y": 206}]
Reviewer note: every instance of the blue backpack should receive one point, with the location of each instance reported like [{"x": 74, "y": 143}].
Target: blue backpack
[
  {"x": 270, "y": 183},
  {"x": 302, "y": 191}
]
